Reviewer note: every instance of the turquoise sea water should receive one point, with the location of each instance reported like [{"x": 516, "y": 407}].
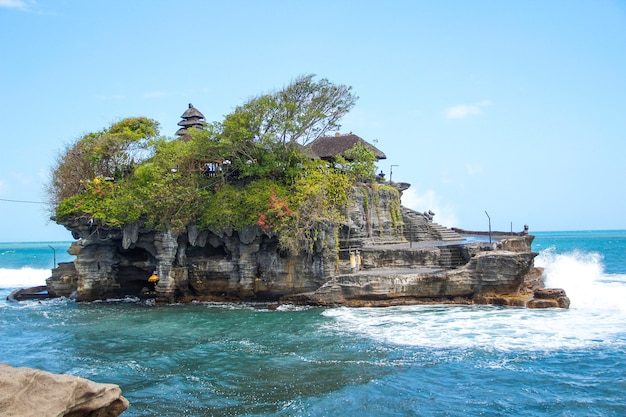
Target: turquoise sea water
[{"x": 248, "y": 360}]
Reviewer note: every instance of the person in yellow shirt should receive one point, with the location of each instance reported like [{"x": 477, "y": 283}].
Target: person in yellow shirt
[{"x": 153, "y": 280}]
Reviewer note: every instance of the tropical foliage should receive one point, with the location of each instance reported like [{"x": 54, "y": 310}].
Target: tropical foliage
[{"x": 248, "y": 170}]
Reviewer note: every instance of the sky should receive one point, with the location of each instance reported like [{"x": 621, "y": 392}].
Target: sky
[{"x": 508, "y": 112}]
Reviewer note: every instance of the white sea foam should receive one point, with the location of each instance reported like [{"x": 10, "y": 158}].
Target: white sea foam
[
  {"x": 595, "y": 318},
  {"x": 23, "y": 278},
  {"x": 470, "y": 327},
  {"x": 582, "y": 276}
]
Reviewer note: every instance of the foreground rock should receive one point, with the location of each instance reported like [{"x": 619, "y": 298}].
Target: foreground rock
[{"x": 26, "y": 392}]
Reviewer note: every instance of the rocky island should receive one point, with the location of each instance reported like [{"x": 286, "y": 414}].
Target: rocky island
[
  {"x": 376, "y": 265},
  {"x": 266, "y": 206}
]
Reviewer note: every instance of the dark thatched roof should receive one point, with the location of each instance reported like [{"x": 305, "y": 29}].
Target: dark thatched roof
[
  {"x": 192, "y": 112},
  {"x": 194, "y": 121},
  {"x": 327, "y": 147},
  {"x": 192, "y": 118}
]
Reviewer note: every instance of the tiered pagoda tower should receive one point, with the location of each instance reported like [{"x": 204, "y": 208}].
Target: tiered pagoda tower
[{"x": 192, "y": 118}]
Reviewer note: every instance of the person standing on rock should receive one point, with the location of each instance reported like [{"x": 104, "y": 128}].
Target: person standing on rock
[{"x": 153, "y": 280}]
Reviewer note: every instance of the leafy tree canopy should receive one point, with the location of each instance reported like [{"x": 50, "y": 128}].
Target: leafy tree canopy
[
  {"x": 247, "y": 170},
  {"x": 299, "y": 113},
  {"x": 110, "y": 152}
]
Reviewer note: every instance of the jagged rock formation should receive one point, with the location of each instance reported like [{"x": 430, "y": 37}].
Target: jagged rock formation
[
  {"x": 373, "y": 217},
  {"x": 435, "y": 266},
  {"x": 242, "y": 265},
  {"x": 548, "y": 298},
  {"x": 26, "y": 392},
  {"x": 480, "y": 273}
]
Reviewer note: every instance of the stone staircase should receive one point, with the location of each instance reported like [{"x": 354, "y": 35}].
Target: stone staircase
[
  {"x": 418, "y": 228},
  {"x": 453, "y": 256}
]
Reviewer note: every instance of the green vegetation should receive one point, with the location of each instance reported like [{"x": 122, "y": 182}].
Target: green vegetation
[
  {"x": 359, "y": 163},
  {"x": 249, "y": 169}
]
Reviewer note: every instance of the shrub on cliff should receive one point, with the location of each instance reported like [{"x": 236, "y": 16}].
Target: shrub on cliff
[
  {"x": 108, "y": 153},
  {"x": 258, "y": 173}
]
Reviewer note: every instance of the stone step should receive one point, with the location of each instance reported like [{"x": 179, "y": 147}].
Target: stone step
[
  {"x": 453, "y": 257},
  {"x": 419, "y": 228}
]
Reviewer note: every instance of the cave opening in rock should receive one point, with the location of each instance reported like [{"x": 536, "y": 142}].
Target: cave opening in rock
[{"x": 135, "y": 267}]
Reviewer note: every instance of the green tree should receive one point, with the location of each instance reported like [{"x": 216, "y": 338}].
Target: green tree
[
  {"x": 299, "y": 113},
  {"x": 267, "y": 180},
  {"x": 110, "y": 153},
  {"x": 359, "y": 162}
]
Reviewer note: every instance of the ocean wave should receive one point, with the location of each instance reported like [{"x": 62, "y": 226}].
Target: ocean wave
[
  {"x": 445, "y": 328},
  {"x": 23, "y": 278},
  {"x": 582, "y": 275},
  {"x": 595, "y": 318}
]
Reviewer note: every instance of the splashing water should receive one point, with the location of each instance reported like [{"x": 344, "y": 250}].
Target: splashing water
[
  {"x": 23, "y": 278},
  {"x": 582, "y": 275},
  {"x": 595, "y": 318}
]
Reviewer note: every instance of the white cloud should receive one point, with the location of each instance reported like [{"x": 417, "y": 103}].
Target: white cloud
[
  {"x": 44, "y": 175},
  {"x": 473, "y": 168},
  {"x": 110, "y": 96},
  {"x": 22, "y": 179},
  {"x": 461, "y": 111},
  {"x": 156, "y": 94},
  {"x": 14, "y": 4},
  {"x": 444, "y": 213},
  {"x": 358, "y": 119}
]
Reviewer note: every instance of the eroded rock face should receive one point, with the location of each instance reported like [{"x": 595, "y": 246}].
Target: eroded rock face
[
  {"x": 228, "y": 264},
  {"x": 248, "y": 265},
  {"x": 549, "y": 298},
  {"x": 372, "y": 216},
  {"x": 26, "y": 392},
  {"x": 244, "y": 265},
  {"x": 499, "y": 274},
  {"x": 491, "y": 272}
]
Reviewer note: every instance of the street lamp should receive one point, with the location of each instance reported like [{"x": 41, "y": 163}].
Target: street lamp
[
  {"x": 489, "y": 225},
  {"x": 391, "y": 172},
  {"x": 54, "y": 252}
]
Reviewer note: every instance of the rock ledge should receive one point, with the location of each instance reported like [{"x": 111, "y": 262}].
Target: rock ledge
[{"x": 26, "y": 392}]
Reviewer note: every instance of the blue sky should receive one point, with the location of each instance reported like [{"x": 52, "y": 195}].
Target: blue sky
[{"x": 517, "y": 108}]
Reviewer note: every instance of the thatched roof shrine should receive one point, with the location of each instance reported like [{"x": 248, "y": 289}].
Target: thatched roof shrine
[
  {"x": 191, "y": 118},
  {"x": 328, "y": 147}
]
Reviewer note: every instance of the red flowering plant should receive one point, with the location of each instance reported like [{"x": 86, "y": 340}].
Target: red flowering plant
[{"x": 277, "y": 214}]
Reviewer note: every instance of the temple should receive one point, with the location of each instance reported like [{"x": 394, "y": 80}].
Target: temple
[
  {"x": 192, "y": 118},
  {"x": 380, "y": 254},
  {"x": 329, "y": 147}
]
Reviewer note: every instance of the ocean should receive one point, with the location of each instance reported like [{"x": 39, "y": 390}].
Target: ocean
[{"x": 208, "y": 359}]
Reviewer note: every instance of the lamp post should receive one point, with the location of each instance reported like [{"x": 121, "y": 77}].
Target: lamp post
[
  {"x": 391, "y": 172},
  {"x": 54, "y": 252},
  {"x": 489, "y": 225}
]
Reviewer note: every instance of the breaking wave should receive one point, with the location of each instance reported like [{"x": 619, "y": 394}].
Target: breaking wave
[
  {"x": 23, "y": 278},
  {"x": 595, "y": 318}
]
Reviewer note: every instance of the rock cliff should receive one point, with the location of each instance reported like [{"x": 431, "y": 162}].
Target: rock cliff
[
  {"x": 366, "y": 261},
  {"x": 477, "y": 273}
]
